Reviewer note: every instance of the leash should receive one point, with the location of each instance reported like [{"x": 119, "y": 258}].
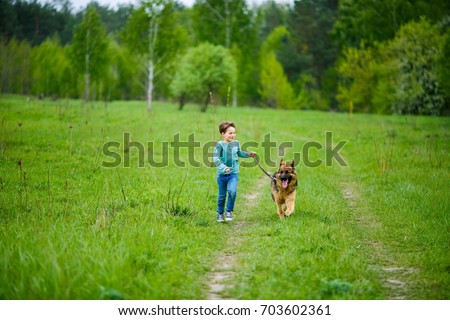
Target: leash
[{"x": 256, "y": 157}]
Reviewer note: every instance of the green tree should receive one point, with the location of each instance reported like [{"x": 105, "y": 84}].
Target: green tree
[
  {"x": 401, "y": 75},
  {"x": 309, "y": 97},
  {"x": 121, "y": 81},
  {"x": 8, "y": 20},
  {"x": 114, "y": 20},
  {"x": 276, "y": 90},
  {"x": 444, "y": 70},
  {"x": 36, "y": 21},
  {"x": 309, "y": 49},
  {"x": 15, "y": 67},
  {"x": 385, "y": 77},
  {"x": 203, "y": 71},
  {"x": 222, "y": 22},
  {"x": 272, "y": 15},
  {"x": 233, "y": 25},
  {"x": 374, "y": 21},
  {"x": 89, "y": 49},
  {"x": 416, "y": 49},
  {"x": 50, "y": 65},
  {"x": 357, "y": 79},
  {"x": 152, "y": 32}
]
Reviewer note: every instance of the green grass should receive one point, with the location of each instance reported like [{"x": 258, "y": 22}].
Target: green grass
[{"x": 72, "y": 229}]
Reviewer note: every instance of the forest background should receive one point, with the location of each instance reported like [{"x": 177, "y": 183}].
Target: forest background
[{"x": 350, "y": 55}]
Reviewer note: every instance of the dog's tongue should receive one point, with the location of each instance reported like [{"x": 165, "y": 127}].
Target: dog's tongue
[{"x": 284, "y": 183}]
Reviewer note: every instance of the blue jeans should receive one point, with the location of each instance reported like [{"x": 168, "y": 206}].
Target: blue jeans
[{"x": 227, "y": 184}]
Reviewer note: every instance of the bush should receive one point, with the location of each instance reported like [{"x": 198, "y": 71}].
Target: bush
[{"x": 416, "y": 49}]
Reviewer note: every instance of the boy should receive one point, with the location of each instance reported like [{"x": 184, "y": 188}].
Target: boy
[{"x": 226, "y": 153}]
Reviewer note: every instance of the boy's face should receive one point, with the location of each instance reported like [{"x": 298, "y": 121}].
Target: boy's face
[{"x": 229, "y": 134}]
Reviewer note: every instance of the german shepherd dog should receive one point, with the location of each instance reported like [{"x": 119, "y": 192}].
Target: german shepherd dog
[{"x": 284, "y": 187}]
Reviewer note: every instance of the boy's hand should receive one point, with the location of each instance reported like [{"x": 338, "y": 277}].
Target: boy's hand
[
  {"x": 252, "y": 154},
  {"x": 227, "y": 170}
]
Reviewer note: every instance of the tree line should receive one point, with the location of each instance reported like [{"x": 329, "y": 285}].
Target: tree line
[{"x": 350, "y": 55}]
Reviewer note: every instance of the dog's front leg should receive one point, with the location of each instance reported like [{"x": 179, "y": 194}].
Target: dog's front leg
[
  {"x": 290, "y": 204},
  {"x": 280, "y": 210}
]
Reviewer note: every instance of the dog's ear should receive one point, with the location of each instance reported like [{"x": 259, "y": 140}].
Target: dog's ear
[
  {"x": 292, "y": 164},
  {"x": 282, "y": 163}
]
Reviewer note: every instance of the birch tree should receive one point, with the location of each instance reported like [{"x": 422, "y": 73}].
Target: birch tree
[
  {"x": 153, "y": 34},
  {"x": 222, "y": 22},
  {"x": 88, "y": 50}
]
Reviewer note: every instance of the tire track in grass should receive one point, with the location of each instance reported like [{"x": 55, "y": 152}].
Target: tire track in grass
[
  {"x": 223, "y": 272},
  {"x": 394, "y": 277}
]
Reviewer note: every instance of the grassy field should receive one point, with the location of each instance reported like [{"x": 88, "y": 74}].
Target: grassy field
[{"x": 74, "y": 229}]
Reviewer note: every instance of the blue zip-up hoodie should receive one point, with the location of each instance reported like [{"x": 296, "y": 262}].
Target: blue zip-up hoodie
[{"x": 226, "y": 156}]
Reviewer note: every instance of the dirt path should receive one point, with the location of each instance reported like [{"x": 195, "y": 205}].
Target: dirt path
[
  {"x": 223, "y": 271},
  {"x": 394, "y": 277}
]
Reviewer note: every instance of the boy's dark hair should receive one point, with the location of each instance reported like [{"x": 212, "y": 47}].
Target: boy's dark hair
[{"x": 225, "y": 125}]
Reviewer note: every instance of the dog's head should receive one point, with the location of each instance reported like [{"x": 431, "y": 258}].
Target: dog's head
[{"x": 286, "y": 174}]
